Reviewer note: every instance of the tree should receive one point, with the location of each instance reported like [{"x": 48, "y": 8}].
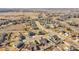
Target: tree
[{"x": 31, "y": 33}]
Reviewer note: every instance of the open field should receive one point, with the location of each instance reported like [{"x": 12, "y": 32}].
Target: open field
[{"x": 39, "y": 29}]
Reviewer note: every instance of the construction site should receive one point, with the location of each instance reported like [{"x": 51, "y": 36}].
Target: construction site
[{"x": 39, "y": 29}]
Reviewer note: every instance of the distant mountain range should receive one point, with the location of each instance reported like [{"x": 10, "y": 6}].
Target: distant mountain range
[{"x": 36, "y": 9}]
